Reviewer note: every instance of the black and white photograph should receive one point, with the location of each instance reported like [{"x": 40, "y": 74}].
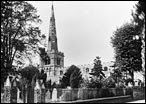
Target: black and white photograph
[{"x": 72, "y": 52}]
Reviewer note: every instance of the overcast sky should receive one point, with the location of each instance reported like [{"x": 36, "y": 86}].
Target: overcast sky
[{"x": 84, "y": 28}]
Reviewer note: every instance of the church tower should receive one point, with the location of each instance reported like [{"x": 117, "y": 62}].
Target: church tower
[{"x": 54, "y": 60}]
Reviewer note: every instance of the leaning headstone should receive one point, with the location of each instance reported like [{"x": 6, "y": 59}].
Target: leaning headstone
[
  {"x": 47, "y": 96},
  {"x": 37, "y": 93},
  {"x": 7, "y": 91},
  {"x": 54, "y": 95}
]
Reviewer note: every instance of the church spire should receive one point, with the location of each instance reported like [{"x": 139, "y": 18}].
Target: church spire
[
  {"x": 52, "y": 10},
  {"x": 52, "y": 40}
]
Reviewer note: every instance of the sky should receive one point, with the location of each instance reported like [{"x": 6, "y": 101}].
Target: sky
[{"x": 84, "y": 28}]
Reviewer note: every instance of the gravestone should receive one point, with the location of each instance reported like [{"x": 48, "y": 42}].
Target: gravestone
[
  {"x": 19, "y": 100},
  {"x": 47, "y": 96},
  {"x": 54, "y": 95},
  {"x": 14, "y": 92},
  {"x": 7, "y": 91},
  {"x": 43, "y": 91},
  {"x": 37, "y": 93}
]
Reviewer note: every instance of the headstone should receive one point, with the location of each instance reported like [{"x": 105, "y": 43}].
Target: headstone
[
  {"x": 19, "y": 100},
  {"x": 14, "y": 95},
  {"x": 47, "y": 96},
  {"x": 26, "y": 93},
  {"x": 14, "y": 92},
  {"x": 54, "y": 95},
  {"x": 43, "y": 91},
  {"x": 7, "y": 91},
  {"x": 37, "y": 93}
]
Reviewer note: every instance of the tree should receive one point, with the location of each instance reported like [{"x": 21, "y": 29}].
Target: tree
[
  {"x": 29, "y": 73},
  {"x": 71, "y": 77},
  {"x": 139, "y": 15},
  {"x": 116, "y": 74},
  {"x": 139, "y": 20},
  {"x": 110, "y": 83},
  {"x": 127, "y": 50},
  {"x": 19, "y": 35},
  {"x": 75, "y": 78},
  {"x": 97, "y": 69},
  {"x": 42, "y": 76}
]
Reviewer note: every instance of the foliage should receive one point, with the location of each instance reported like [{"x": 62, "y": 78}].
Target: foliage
[
  {"x": 117, "y": 73},
  {"x": 109, "y": 82},
  {"x": 127, "y": 50},
  {"x": 139, "y": 14},
  {"x": 28, "y": 73},
  {"x": 139, "y": 20},
  {"x": 19, "y": 34},
  {"x": 93, "y": 83},
  {"x": 75, "y": 79},
  {"x": 42, "y": 76},
  {"x": 97, "y": 69},
  {"x": 43, "y": 54},
  {"x": 48, "y": 84},
  {"x": 71, "y": 77}
]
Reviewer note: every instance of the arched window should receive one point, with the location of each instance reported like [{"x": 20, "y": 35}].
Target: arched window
[
  {"x": 47, "y": 60},
  {"x": 87, "y": 70},
  {"x": 105, "y": 68},
  {"x": 49, "y": 38},
  {"x": 47, "y": 69},
  {"x": 61, "y": 72},
  {"x": 58, "y": 61}
]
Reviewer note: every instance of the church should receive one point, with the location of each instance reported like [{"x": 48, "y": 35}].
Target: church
[{"x": 52, "y": 60}]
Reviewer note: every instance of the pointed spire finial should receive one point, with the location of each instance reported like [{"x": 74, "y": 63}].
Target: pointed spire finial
[
  {"x": 37, "y": 85},
  {"x": 52, "y": 5}
]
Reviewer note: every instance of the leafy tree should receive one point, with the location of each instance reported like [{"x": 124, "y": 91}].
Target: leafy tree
[
  {"x": 75, "y": 78},
  {"x": 48, "y": 84},
  {"x": 139, "y": 20},
  {"x": 71, "y": 77},
  {"x": 139, "y": 15},
  {"x": 116, "y": 74},
  {"x": 19, "y": 34},
  {"x": 127, "y": 50},
  {"x": 110, "y": 84},
  {"x": 42, "y": 76},
  {"x": 29, "y": 73},
  {"x": 97, "y": 69},
  {"x": 94, "y": 83}
]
